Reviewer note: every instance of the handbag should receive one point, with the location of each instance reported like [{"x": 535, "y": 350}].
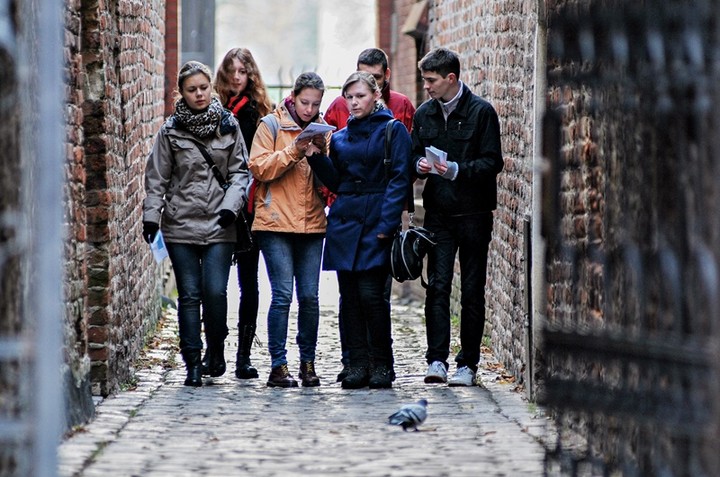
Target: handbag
[
  {"x": 409, "y": 246},
  {"x": 244, "y": 241},
  {"x": 408, "y": 251}
]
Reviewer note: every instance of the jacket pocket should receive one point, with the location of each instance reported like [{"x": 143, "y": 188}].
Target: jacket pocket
[
  {"x": 428, "y": 133},
  {"x": 179, "y": 143},
  {"x": 223, "y": 142},
  {"x": 461, "y": 131}
]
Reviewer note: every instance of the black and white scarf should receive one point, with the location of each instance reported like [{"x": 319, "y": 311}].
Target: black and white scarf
[{"x": 202, "y": 124}]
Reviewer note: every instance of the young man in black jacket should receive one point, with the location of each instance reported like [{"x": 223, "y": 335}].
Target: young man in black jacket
[{"x": 459, "y": 197}]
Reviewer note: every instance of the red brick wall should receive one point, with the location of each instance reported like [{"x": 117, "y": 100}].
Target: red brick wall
[
  {"x": 75, "y": 285},
  {"x": 172, "y": 52},
  {"x": 115, "y": 95},
  {"x": 385, "y": 9},
  {"x": 405, "y": 60}
]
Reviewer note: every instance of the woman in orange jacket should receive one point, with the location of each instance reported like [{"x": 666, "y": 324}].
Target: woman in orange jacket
[{"x": 290, "y": 224}]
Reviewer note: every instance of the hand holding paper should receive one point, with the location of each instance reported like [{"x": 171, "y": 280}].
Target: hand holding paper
[
  {"x": 313, "y": 129},
  {"x": 435, "y": 156}
]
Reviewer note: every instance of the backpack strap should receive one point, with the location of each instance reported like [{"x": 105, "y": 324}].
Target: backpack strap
[
  {"x": 388, "y": 161},
  {"x": 388, "y": 139},
  {"x": 224, "y": 183},
  {"x": 272, "y": 123}
]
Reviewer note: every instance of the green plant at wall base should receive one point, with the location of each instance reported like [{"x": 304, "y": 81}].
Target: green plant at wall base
[
  {"x": 486, "y": 341},
  {"x": 454, "y": 321},
  {"x": 98, "y": 450},
  {"x": 130, "y": 385}
]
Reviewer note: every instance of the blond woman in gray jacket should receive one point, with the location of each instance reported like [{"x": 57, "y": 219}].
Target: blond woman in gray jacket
[{"x": 194, "y": 211}]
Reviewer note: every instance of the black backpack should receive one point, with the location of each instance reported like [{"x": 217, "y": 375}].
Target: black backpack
[{"x": 409, "y": 246}]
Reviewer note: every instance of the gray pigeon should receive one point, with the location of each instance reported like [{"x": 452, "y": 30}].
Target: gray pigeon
[{"x": 410, "y": 415}]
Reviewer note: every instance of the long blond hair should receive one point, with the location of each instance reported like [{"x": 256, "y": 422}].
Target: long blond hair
[{"x": 255, "y": 88}]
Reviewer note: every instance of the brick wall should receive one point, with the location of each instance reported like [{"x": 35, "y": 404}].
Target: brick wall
[
  {"x": 172, "y": 52},
  {"x": 77, "y": 371},
  {"x": 496, "y": 43},
  {"x": 115, "y": 104}
]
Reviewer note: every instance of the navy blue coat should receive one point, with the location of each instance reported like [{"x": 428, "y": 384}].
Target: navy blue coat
[{"x": 367, "y": 204}]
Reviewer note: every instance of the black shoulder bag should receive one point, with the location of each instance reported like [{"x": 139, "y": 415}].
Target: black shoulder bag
[
  {"x": 244, "y": 241},
  {"x": 409, "y": 246}
]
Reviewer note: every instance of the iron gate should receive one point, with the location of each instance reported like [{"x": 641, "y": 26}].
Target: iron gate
[
  {"x": 31, "y": 98},
  {"x": 630, "y": 216}
]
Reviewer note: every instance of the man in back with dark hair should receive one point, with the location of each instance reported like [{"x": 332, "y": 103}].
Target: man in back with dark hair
[
  {"x": 375, "y": 62},
  {"x": 459, "y": 197}
]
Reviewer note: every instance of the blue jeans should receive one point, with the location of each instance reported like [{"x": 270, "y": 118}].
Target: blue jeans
[
  {"x": 292, "y": 258},
  {"x": 470, "y": 237},
  {"x": 201, "y": 273}
]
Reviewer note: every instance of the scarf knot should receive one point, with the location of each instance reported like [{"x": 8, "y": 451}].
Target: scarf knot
[{"x": 202, "y": 124}]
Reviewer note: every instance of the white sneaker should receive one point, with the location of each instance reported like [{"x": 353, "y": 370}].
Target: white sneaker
[
  {"x": 436, "y": 373},
  {"x": 464, "y": 376}
]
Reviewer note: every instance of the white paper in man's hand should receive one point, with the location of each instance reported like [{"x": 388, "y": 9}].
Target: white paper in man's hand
[
  {"x": 313, "y": 129},
  {"x": 433, "y": 156}
]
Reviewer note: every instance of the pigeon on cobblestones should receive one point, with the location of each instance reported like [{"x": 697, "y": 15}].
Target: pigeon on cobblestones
[{"x": 410, "y": 415}]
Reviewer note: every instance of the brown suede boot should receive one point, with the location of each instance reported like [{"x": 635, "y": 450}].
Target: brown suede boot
[
  {"x": 280, "y": 378},
  {"x": 307, "y": 375}
]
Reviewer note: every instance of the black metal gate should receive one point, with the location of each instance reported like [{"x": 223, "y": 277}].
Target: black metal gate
[
  {"x": 31, "y": 171},
  {"x": 632, "y": 222}
]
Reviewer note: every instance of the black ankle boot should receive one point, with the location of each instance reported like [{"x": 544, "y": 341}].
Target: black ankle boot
[
  {"x": 381, "y": 377},
  {"x": 357, "y": 377},
  {"x": 213, "y": 363},
  {"x": 243, "y": 367},
  {"x": 194, "y": 368}
]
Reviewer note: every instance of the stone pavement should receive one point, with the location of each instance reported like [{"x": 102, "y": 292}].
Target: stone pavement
[{"x": 231, "y": 427}]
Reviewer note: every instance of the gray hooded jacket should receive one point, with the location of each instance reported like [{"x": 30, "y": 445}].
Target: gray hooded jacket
[{"x": 182, "y": 195}]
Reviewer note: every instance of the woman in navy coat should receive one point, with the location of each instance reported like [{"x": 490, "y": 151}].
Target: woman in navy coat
[{"x": 361, "y": 223}]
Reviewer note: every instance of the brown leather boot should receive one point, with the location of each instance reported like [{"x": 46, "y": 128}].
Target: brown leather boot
[
  {"x": 307, "y": 374},
  {"x": 280, "y": 378}
]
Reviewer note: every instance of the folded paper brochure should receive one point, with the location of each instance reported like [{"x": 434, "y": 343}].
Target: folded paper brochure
[
  {"x": 313, "y": 129},
  {"x": 433, "y": 156}
]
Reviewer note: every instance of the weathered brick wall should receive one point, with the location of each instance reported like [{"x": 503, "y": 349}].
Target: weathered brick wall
[
  {"x": 115, "y": 99},
  {"x": 496, "y": 42},
  {"x": 405, "y": 57},
  {"x": 76, "y": 374},
  {"x": 172, "y": 52}
]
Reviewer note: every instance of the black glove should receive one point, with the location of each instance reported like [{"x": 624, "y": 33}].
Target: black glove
[
  {"x": 226, "y": 218},
  {"x": 149, "y": 231}
]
